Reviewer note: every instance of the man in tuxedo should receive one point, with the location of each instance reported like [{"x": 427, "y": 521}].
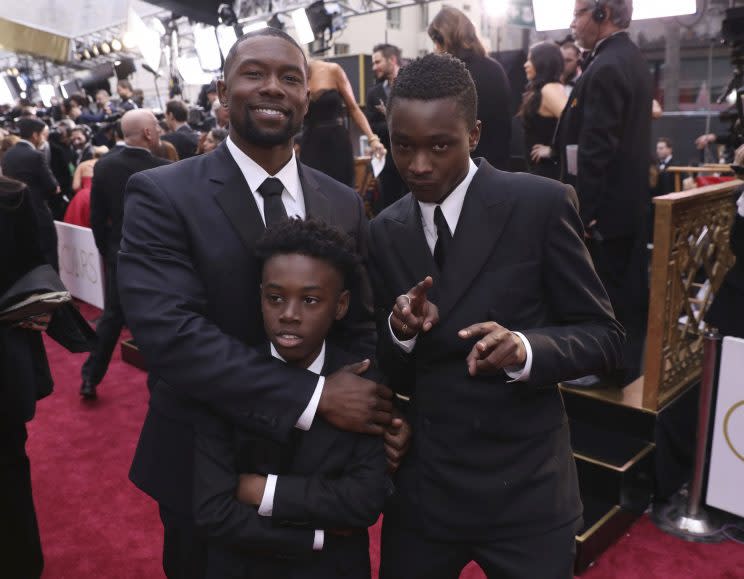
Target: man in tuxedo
[
  {"x": 571, "y": 65},
  {"x": 189, "y": 284},
  {"x": 385, "y": 66},
  {"x": 142, "y": 139},
  {"x": 603, "y": 138},
  {"x": 182, "y": 136},
  {"x": 26, "y": 163},
  {"x": 665, "y": 156},
  {"x": 486, "y": 298}
]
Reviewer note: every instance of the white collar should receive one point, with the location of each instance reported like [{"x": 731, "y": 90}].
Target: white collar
[
  {"x": 452, "y": 205},
  {"x": 666, "y": 161},
  {"x": 316, "y": 367},
  {"x": 255, "y": 175}
]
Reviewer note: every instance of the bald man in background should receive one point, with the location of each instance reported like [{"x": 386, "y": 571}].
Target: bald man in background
[{"x": 141, "y": 138}]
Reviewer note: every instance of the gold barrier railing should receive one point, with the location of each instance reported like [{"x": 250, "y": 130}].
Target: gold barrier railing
[{"x": 690, "y": 258}]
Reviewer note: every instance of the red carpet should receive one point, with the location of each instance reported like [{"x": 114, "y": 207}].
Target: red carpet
[{"x": 96, "y": 525}]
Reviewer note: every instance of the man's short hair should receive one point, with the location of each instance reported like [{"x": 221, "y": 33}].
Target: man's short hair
[
  {"x": 311, "y": 238},
  {"x": 388, "y": 51},
  {"x": 178, "y": 109},
  {"x": 434, "y": 77},
  {"x": 622, "y": 11},
  {"x": 266, "y": 31},
  {"x": 28, "y": 126},
  {"x": 666, "y": 140},
  {"x": 570, "y": 44}
]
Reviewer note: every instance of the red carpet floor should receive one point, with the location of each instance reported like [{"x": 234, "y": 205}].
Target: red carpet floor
[{"x": 96, "y": 525}]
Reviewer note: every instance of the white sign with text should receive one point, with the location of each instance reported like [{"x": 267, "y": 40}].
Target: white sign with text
[
  {"x": 80, "y": 264},
  {"x": 727, "y": 452}
]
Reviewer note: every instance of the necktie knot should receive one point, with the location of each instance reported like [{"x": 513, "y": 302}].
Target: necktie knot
[
  {"x": 271, "y": 187},
  {"x": 271, "y": 191}
]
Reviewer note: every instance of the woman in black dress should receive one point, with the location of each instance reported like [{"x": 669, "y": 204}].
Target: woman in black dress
[
  {"x": 542, "y": 105},
  {"x": 326, "y": 145},
  {"x": 451, "y": 31}
]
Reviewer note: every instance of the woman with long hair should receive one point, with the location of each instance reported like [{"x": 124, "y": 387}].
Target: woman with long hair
[
  {"x": 326, "y": 145},
  {"x": 78, "y": 211},
  {"x": 542, "y": 105},
  {"x": 452, "y": 31}
]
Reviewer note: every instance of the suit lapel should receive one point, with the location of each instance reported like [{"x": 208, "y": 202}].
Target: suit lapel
[
  {"x": 235, "y": 198},
  {"x": 317, "y": 204},
  {"x": 407, "y": 235},
  {"x": 482, "y": 219}
]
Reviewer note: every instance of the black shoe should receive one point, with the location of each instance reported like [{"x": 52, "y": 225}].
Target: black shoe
[{"x": 88, "y": 390}]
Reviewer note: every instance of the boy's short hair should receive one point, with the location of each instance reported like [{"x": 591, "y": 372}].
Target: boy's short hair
[
  {"x": 314, "y": 239},
  {"x": 434, "y": 77}
]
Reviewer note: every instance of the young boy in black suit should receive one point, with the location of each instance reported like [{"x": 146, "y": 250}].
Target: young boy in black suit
[{"x": 297, "y": 509}]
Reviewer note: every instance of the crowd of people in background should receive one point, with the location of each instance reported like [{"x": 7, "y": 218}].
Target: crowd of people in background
[{"x": 582, "y": 217}]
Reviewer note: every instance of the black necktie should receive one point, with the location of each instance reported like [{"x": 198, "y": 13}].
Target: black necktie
[
  {"x": 271, "y": 191},
  {"x": 444, "y": 238}
]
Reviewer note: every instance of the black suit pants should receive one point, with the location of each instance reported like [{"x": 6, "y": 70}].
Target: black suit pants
[
  {"x": 108, "y": 329},
  {"x": 184, "y": 547},
  {"x": 408, "y": 554},
  {"x": 20, "y": 545},
  {"x": 622, "y": 265}
]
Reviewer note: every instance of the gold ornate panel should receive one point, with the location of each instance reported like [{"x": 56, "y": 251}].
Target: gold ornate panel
[{"x": 690, "y": 258}]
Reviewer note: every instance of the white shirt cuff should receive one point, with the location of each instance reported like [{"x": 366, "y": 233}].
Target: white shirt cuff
[
  {"x": 405, "y": 345},
  {"x": 266, "y": 508},
  {"x": 740, "y": 205},
  {"x": 318, "y": 540},
  {"x": 305, "y": 421},
  {"x": 522, "y": 374}
]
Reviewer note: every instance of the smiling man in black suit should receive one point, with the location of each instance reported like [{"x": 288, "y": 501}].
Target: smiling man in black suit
[
  {"x": 190, "y": 288},
  {"x": 486, "y": 298}
]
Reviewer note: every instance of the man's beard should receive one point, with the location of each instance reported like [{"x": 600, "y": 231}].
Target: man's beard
[{"x": 253, "y": 134}]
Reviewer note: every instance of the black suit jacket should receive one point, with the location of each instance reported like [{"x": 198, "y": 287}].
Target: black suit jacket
[
  {"x": 189, "y": 285},
  {"x": 327, "y": 479},
  {"x": 24, "y": 371},
  {"x": 185, "y": 140},
  {"x": 110, "y": 177},
  {"x": 666, "y": 180},
  {"x": 492, "y": 458},
  {"x": 494, "y": 109},
  {"x": 609, "y": 116},
  {"x": 24, "y": 163}
]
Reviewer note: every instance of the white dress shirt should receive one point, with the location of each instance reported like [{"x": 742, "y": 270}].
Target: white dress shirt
[
  {"x": 266, "y": 508},
  {"x": 451, "y": 209},
  {"x": 255, "y": 175},
  {"x": 294, "y": 202}
]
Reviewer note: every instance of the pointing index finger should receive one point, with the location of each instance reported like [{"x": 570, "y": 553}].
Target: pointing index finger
[
  {"x": 478, "y": 330},
  {"x": 420, "y": 289}
]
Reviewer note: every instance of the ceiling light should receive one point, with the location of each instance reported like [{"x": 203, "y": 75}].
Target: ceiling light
[
  {"x": 116, "y": 45},
  {"x": 302, "y": 26}
]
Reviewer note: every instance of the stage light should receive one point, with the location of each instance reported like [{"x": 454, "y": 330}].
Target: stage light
[
  {"x": 144, "y": 38},
  {"x": 253, "y": 26},
  {"x": 191, "y": 71},
  {"x": 86, "y": 54},
  {"x": 206, "y": 46},
  {"x": 226, "y": 15},
  {"x": 663, "y": 8},
  {"x": 46, "y": 92},
  {"x": 302, "y": 26},
  {"x": 21, "y": 83},
  {"x": 6, "y": 97},
  {"x": 105, "y": 48},
  {"x": 15, "y": 72},
  {"x": 95, "y": 51},
  {"x": 116, "y": 45},
  {"x": 226, "y": 37},
  {"x": 496, "y": 8},
  {"x": 557, "y": 14}
]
